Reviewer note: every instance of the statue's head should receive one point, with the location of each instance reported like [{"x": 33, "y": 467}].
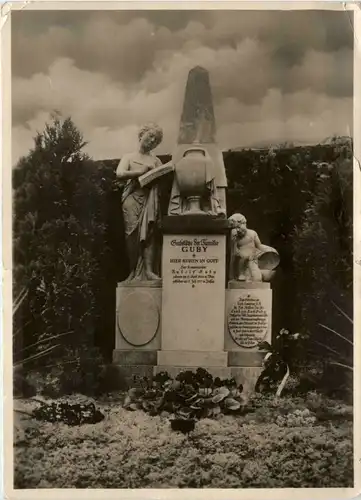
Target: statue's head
[
  {"x": 239, "y": 223},
  {"x": 150, "y": 136}
]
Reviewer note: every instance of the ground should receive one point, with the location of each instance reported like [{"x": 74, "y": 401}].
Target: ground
[{"x": 134, "y": 450}]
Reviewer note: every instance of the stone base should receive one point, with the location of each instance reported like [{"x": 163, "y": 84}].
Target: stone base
[
  {"x": 247, "y": 376},
  {"x": 246, "y": 359},
  {"x": 126, "y": 357},
  {"x": 193, "y": 358}
]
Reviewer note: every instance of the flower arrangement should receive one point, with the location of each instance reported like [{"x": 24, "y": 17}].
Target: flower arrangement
[
  {"x": 67, "y": 413},
  {"x": 191, "y": 395},
  {"x": 279, "y": 361}
]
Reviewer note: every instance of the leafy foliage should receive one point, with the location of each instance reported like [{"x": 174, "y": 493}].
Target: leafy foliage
[
  {"x": 69, "y": 414},
  {"x": 191, "y": 395},
  {"x": 323, "y": 243},
  {"x": 281, "y": 358},
  {"x": 60, "y": 239},
  {"x": 323, "y": 257},
  {"x": 338, "y": 359},
  {"x": 296, "y": 419},
  {"x": 22, "y": 387},
  {"x": 81, "y": 373}
]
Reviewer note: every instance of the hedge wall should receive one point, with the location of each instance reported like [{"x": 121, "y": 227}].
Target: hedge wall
[{"x": 299, "y": 199}]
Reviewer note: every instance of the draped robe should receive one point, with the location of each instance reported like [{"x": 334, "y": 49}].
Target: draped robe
[{"x": 141, "y": 212}]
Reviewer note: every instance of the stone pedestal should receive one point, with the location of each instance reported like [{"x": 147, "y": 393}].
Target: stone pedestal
[
  {"x": 193, "y": 320},
  {"x": 248, "y": 320},
  {"x": 193, "y": 300},
  {"x": 138, "y": 327}
]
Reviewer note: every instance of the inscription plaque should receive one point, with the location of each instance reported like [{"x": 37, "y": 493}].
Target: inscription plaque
[
  {"x": 193, "y": 297},
  {"x": 248, "y": 321},
  {"x": 193, "y": 266}
]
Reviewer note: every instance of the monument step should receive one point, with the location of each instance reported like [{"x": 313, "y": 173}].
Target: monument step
[
  {"x": 247, "y": 376},
  {"x": 149, "y": 357},
  {"x": 245, "y": 359},
  {"x": 193, "y": 358}
]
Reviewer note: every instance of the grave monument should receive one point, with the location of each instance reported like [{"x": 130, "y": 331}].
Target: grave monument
[{"x": 196, "y": 312}]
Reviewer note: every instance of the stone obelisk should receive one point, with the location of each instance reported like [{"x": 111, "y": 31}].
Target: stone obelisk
[
  {"x": 194, "y": 253},
  {"x": 198, "y": 126}
]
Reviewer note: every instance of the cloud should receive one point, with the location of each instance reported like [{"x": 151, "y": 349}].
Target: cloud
[{"x": 275, "y": 75}]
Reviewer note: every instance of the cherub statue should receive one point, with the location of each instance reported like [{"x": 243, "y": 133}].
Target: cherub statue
[{"x": 250, "y": 260}]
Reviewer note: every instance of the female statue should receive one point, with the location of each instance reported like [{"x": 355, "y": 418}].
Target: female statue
[{"x": 140, "y": 205}]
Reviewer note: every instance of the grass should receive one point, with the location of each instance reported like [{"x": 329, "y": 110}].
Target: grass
[{"x": 134, "y": 450}]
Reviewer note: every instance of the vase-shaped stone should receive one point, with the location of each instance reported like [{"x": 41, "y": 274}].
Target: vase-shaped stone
[{"x": 193, "y": 173}]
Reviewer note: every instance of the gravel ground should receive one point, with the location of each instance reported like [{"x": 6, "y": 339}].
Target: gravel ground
[{"x": 135, "y": 450}]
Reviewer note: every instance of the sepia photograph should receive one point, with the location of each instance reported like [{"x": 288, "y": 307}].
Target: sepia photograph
[{"x": 182, "y": 220}]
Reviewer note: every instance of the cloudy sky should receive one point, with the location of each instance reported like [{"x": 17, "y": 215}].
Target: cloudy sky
[{"x": 275, "y": 75}]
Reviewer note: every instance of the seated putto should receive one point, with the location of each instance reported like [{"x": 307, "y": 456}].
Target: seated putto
[{"x": 250, "y": 260}]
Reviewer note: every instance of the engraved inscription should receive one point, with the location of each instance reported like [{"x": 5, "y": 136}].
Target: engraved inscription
[
  {"x": 195, "y": 267},
  {"x": 248, "y": 321}
]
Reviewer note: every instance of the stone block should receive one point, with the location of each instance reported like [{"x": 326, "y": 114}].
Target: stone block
[
  {"x": 204, "y": 359},
  {"x": 193, "y": 299},
  {"x": 138, "y": 316},
  {"x": 248, "y": 318},
  {"x": 245, "y": 358},
  {"x": 134, "y": 357}
]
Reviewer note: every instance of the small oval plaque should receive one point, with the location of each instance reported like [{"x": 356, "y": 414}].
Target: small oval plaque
[
  {"x": 248, "y": 321},
  {"x": 138, "y": 318}
]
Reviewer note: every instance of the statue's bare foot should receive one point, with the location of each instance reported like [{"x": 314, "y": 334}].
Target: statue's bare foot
[
  {"x": 241, "y": 277},
  {"x": 152, "y": 276}
]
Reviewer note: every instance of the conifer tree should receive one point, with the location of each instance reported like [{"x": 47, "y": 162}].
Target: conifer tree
[{"x": 60, "y": 238}]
